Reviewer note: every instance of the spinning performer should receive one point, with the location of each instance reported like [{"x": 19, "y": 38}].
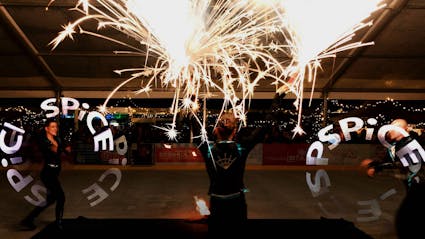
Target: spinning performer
[
  {"x": 51, "y": 146},
  {"x": 413, "y": 175}
]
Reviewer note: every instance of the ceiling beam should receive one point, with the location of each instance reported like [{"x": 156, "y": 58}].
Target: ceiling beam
[
  {"x": 162, "y": 90},
  {"x": 71, "y": 4},
  {"x": 134, "y": 55},
  {"x": 45, "y": 4},
  {"x": 78, "y": 94},
  {"x": 81, "y": 95},
  {"x": 380, "y": 90},
  {"x": 20, "y": 88},
  {"x": 380, "y": 24},
  {"x": 402, "y": 57},
  {"x": 90, "y": 54},
  {"x": 30, "y": 49}
]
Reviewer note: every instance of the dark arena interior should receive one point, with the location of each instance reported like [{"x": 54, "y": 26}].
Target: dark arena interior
[{"x": 251, "y": 132}]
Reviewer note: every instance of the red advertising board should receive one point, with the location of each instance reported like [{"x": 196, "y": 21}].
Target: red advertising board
[
  {"x": 284, "y": 154},
  {"x": 177, "y": 153},
  {"x": 112, "y": 157}
]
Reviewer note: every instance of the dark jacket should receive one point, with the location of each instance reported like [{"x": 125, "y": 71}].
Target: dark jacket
[
  {"x": 52, "y": 159},
  {"x": 225, "y": 160}
]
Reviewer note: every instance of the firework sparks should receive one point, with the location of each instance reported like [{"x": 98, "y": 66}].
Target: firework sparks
[
  {"x": 194, "y": 46},
  {"x": 170, "y": 131},
  {"x": 317, "y": 30},
  {"x": 226, "y": 46}
]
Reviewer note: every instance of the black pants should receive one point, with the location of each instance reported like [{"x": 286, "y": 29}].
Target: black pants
[
  {"x": 412, "y": 209},
  {"x": 50, "y": 179},
  {"x": 228, "y": 217}
]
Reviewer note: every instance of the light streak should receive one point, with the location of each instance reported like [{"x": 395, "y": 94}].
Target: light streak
[
  {"x": 192, "y": 46},
  {"x": 316, "y": 30},
  {"x": 198, "y": 47}
]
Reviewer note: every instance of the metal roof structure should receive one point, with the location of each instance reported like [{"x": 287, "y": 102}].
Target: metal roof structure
[{"x": 393, "y": 67}]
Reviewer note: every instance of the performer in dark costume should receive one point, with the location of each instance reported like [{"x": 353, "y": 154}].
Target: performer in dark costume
[
  {"x": 407, "y": 225},
  {"x": 51, "y": 146},
  {"x": 225, "y": 163}
]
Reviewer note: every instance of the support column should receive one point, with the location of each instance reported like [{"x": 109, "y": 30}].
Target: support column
[{"x": 325, "y": 108}]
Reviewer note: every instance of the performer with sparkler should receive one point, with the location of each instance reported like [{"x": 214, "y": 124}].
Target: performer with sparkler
[
  {"x": 225, "y": 163},
  {"x": 413, "y": 177},
  {"x": 52, "y": 147}
]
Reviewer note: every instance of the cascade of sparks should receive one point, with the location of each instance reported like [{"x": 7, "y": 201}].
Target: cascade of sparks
[
  {"x": 192, "y": 46},
  {"x": 202, "y": 47},
  {"x": 316, "y": 30}
]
